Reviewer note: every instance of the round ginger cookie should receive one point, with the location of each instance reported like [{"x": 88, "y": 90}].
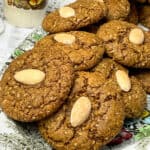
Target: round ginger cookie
[
  {"x": 135, "y": 99},
  {"x": 144, "y": 76},
  {"x": 0, "y": 93},
  {"x": 92, "y": 116},
  {"x": 36, "y": 84},
  {"x": 133, "y": 94},
  {"x": 108, "y": 67},
  {"x": 84, "y": 49},
  {"x": 117, "y": 10},
  {"x": 74, "y": 16},
  {"x": 126, "y": 43}
]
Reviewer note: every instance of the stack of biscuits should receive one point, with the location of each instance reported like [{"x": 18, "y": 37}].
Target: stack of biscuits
[{"x": 85, "y": 77}]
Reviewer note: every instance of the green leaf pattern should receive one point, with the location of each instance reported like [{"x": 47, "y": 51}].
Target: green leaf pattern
[{"x": 143, "y": 132}]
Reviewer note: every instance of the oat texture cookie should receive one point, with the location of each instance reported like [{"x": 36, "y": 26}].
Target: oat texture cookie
[
  {"x": 117, "y": 10},
  {"x": 134, "y": 99},
  {"x": 84, "y": 49},
  {"x": 126, "y": 43},
  {"x": 144, "y": 76},
  {"x": 0, "y": 92},
  {"x": 144, "y": 15},
  {"x": 108, "y": 67},
  {"x": 36, "y": 84},
  {"x": 133, "y": 95},
  {"x": 74, "y": 16},
  {"x": 92, "y": 116}
]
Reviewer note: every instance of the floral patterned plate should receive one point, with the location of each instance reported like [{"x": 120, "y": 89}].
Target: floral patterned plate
[{"x": 135, "y": 134}]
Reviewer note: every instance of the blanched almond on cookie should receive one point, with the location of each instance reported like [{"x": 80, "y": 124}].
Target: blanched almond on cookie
[
  {"x": 66, "y": 12},
  {"x": 101, "y": 1},
  {"x": 123, "y": 80},
  {"x": 65, "y": 38},
  {"x": 80, "y": 111},
  {"x": 29, "y": 76},
  {"x": 136, "y": 36}
]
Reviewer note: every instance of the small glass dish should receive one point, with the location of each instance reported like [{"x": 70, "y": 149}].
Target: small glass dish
[{"x": 25, "y": 13}]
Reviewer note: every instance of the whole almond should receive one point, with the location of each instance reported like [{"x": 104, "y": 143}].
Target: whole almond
[
  {"x": 66, "y": 12},
  {"x": 65, "y": 38},
  {"x": 29, "y": 76},
  {"x": 80, "y": 111},
  {"x": 101, "y": 1},
  {"x": 123, "y": 80},
  {"x": 136, "y": 36}
]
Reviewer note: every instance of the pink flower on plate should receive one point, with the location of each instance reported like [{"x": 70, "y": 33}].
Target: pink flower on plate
[{"x": 122, "y": 136}]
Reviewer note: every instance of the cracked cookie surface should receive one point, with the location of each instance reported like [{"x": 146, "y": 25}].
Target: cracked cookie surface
[
  {"x": 144, "y": 76},
  {"x": 126, "y": 43},
  {"x": 84, "y": 49},
  {"x": 74, "y": 16},
  {"x": 102, "y": 124},
  {"x": 117, "y": 10},
  {"x": 135, "y": 99},
  {"x": 29, "y": 103}
]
